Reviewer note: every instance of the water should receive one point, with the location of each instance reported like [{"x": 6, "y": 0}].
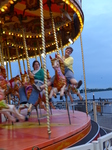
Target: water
[{"x": 101, "y": 94}]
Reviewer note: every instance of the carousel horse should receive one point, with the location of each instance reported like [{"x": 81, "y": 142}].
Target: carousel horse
[
  {"x": 50, "y": 87},
  {"x": 5, "y": 108},
  {"x": 60, "y": 80},
  {"x": 41, "y": 101},
  {"x": 27, "y": 82},
  {"x": 24, "y": 78},
  {"x": 13, "y": 86}
]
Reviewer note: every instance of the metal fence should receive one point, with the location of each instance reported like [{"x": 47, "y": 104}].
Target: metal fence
[
  {"x": 103, "y": 106},
  {"x": 99, "y": 111}
]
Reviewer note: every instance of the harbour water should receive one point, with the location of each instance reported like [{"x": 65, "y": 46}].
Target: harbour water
[{"x": 101, "y": 94}]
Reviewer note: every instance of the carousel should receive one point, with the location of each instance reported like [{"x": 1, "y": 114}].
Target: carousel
[{"x": 28, "y": 29}]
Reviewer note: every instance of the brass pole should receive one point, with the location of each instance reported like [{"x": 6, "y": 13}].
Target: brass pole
[
  {"x": 6, "y": 64},
  {"x": 2, "y": 53},
  {"x": 39, "y": 54},
  {"x": 17, "y": 53},
  {"x": 1, "y": 50},
  {"x": 45, "y": 70},
  {"x": 61, "y": 47},
  {"x": 23, "y": 63},
  {"x": 7, "y": 70},
  {"x": 83, "y": 67},
  {"x": 25, "y": 48},
  {"x": 9, "y": 61},
  {"x": 35, "y": 55},
  {"x": 84, "y": 73},
  {"x": 54, "y": 32}
]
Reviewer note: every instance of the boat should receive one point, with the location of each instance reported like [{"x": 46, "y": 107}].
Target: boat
[{"x": 29, "y": 29}]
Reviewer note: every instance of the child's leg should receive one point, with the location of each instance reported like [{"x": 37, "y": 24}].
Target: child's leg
[
  {"x": 74, "y": 82},
  {"x": 75, "y": 91},
  {"x": 9, "y": 116},
  {"x": 16, "y": 113}
]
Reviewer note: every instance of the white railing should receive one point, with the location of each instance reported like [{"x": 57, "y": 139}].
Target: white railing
[
  {"x": 103, "y": 143},
  {"x": 83, "y": 147}
]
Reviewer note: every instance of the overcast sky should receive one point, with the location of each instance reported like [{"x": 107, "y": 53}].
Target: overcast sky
[{"x": 97, "y": 46}]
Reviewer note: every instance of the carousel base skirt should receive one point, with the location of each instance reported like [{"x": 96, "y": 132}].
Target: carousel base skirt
[{"x": 56, "y": 136}]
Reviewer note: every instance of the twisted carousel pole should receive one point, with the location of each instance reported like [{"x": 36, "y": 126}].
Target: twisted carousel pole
[
  {"x": 23, "y": 63},
  {"x": 83, "y": 67},
  {"x": 84, "y": 72},
  {"x": 25, "y": 48},
  {"x": 45, "y": 70},
  {"x": 6, "y": 64},
  {"x": 35, "y": 55},
  {"x": 54, "y": 32},
  {"x": 61, "y": 47},
  {"x": 1, "y": 50},
  {"x": 2, "y": 53},
  {"x": 9, "y": 61},
  {"x": 17, "y": 53},
  {"x": 39, "y": 54}
]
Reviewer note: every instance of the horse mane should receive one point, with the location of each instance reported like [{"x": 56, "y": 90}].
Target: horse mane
[{"x": 62, "y": 67}]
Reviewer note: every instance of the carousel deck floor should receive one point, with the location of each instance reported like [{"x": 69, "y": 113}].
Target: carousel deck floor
[{"x": 26, "y": 135}]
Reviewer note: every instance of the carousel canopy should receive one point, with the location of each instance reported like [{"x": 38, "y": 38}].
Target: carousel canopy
[{"x": 16, "y": 15}]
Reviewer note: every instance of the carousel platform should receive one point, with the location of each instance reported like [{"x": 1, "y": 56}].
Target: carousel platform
[{"x": 27, "y": 135}]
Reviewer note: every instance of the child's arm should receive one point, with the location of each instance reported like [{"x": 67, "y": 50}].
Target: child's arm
[
  {"x": 60, "y": 58},
  {"x": 66, "y": 62}
]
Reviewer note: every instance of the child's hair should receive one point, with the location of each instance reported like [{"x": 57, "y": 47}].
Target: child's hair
[
  {"x": 69, "y": 48},
  {"x": 35, "y": 62}
]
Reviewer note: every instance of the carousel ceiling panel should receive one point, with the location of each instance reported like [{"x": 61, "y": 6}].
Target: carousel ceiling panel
[
  {"x": 18, "y": 14},
  {"x": 3, "y": 2}
]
